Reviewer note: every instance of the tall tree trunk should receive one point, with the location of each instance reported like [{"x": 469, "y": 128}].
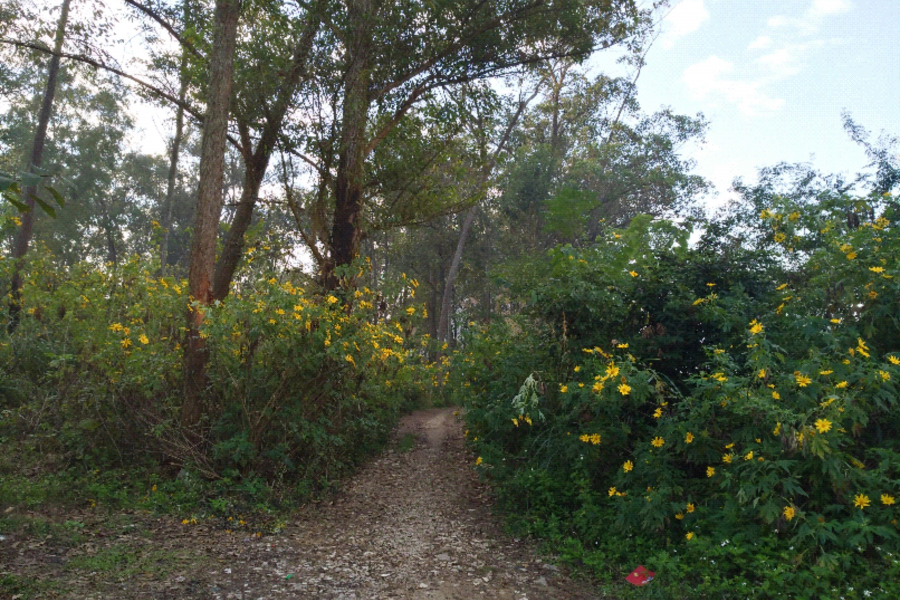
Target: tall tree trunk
[
  {"x": 209, "y": 205},
  {"x": 23, "y": 236},
  {"x": 169, "y": 203},
  {"x": 345, "y": 234},
  {"x": 256, "y": 162}
]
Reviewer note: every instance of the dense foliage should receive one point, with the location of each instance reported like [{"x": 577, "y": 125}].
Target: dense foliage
[
  {"x": 302, "y": 385},
  {"x": 724, "y": 413}
]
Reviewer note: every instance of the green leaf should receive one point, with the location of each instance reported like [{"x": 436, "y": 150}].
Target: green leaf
[
  {"x": 56, "y": 196},
  {"x": 6, "y": 181},
  {"x": 45, "y": 207},
  {"x": 23, "y": 208},
  {"x": 30, "y": 179}
]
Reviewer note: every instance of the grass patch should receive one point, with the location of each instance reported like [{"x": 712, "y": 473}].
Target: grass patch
[
  {"x": 25, "y": 588},
  {"x": 407, "y": 442}
]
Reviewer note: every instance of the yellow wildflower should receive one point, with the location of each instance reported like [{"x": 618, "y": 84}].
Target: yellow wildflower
[
  {"x": 478, "y": 461},
  {"x": 612, "y": 492},
  {"x": 689, "y": 536},
  {"x": 894, "y": 360},
  {"x": 143, "y": 339},
  {"x": 658, "y": 442},
  {"x": 595, "y": 439},
  {"x": 563, "y": 389},
  {"x": 624, "y": 389},
  {"x": 633, "y": 273},
  {"x": 884, "y": 375},
  {"x": 776, "y": 395},
  {"x": 688, "y": 438},
  {"x": 842, "y": 384},
  {"x": 887, "y": 499},
  {"x": 755, "y": 327},
  {"x": 802, "y": 380},
  {"x": 710, "y": 471},
  {"x": 727, "y": 458},
  {"x": 788, "y": 512},
  {"x": 823, "y": 425},
  {"x": 657, "y": 413},
  {"x": 125, "y": 342},
  {"x": 628, "y": 466},
  {"x": 861, "y": 501},
  {"x": 749, "y": 455},
  {"x": 690, "y": 507}
]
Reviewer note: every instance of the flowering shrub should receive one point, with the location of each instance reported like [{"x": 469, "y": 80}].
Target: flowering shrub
[
  {"x": 735, "y": 430},
  {"x": 302, "y": 384}
]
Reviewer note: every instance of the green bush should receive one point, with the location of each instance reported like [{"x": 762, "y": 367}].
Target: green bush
[
  {"x": 302, "y": 385},
  {"x": 735, "y": 430}
]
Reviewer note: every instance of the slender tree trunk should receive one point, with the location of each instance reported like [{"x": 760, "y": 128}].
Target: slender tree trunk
[
  {"x": 209, "y": 205},
  {"x": 169, "y": 204},
  {"x": 345, "y": 234},
  {"x": 254, "y": 170},
  {"x": 23, "y": 236},
  {"x": 444, "y": 322}
]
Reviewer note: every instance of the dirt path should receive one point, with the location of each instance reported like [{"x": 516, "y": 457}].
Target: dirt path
[{"x": 413, "y": 524}]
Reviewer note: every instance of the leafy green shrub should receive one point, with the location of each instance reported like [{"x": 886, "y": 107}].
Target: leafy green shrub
[
  {"x": 302, "y": 385},
  {"x": 748, "y": 449}
]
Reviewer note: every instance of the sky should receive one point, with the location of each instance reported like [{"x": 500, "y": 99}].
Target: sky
[{"x": 772, "y": 77}]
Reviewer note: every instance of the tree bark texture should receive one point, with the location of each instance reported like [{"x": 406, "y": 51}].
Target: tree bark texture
[
  {"x": 23, "y": 236},
  {"x": 209, "y": 205},
  {"x": 345, "y": 234}
]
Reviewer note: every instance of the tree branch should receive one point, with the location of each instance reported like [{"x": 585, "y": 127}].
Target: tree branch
[
  {"x": 167, "y": 26},
  {"x": 109, "y": 68}
]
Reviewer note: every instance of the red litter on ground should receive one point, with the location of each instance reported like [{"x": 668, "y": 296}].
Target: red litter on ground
[{"x": 640, "y": 576}]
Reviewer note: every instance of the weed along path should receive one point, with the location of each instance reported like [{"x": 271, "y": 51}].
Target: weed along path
[{"x": 415, "y": 523}]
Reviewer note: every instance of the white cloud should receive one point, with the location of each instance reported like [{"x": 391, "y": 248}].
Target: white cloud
[
  {"x": 687, "y": 17},
  {"x": 811, "y": 19},
  {"x": 821, "y": 8},
  {"x": 786, "y": 61},
  {"x": 707, "y": 80},
  {"x": 759, "y": 43}
]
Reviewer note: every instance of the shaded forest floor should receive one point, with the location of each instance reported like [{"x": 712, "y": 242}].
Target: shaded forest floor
[{"x": 414, "y": 523}]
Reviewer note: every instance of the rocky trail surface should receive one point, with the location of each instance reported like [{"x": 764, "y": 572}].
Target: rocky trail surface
[{"x": 413, "y": 524}]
